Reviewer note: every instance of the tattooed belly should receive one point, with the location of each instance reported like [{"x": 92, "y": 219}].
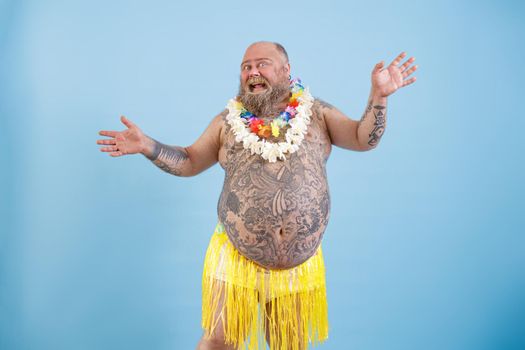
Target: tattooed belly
[{"x": 277, "y": 227}]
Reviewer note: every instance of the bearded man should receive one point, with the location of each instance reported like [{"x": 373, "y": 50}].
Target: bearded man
[{"x": 264, "y": 276}]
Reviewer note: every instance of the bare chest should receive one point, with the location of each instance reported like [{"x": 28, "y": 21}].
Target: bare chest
[{"x": 276, "y": 213}]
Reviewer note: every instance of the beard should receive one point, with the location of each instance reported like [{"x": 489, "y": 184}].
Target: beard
[{"x": 263, "y": 104}]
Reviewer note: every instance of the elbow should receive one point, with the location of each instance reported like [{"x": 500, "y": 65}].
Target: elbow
[
  {"x": 367, "y": 146},
  {"x": 371, "y": 143},
  {"x": 186, "y": 174},
  {"x": 189, "y": 169},
  {"x": 193, "y": 165}
]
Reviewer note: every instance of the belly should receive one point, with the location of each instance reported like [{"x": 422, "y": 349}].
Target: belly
[{"x": 275, "y": 214}]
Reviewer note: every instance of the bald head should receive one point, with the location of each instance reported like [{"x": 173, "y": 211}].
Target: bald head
[{"x": 271, "y": 45}]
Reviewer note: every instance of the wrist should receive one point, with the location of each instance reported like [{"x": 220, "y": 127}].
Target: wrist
[
  {"x": 377, "y": 96},
  {"x": 148, "y": 145}
]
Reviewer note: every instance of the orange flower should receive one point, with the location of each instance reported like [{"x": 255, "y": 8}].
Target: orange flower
[
  {"x": 265, "y": 131},
  {"x": 294, "y": 104}
]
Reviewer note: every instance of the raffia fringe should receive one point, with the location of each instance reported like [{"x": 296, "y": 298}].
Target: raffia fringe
[{"x": 298, "y": 312}]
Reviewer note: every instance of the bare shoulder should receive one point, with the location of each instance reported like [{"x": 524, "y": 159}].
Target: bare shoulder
[
  {"x": 328, "y": 111},
  {"x": 220, "y": 123},
  {"x": 341, "y": 129},
  {"x": 322, "y": 111},
  {"x": 211, "y": 138},
  {"x": 324, "y": 105}
]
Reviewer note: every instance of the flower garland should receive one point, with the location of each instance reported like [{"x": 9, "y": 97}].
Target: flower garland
[
  {"x": 257, "y": 125},
  {"x": 253, "y": 133}
]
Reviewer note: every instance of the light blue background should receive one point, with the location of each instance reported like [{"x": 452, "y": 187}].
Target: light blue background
[{"x": 425, "y": 247}]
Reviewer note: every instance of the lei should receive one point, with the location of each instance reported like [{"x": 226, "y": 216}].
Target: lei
[{"x": 253, "y": 133}]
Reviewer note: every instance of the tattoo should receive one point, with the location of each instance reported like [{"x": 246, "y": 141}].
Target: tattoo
[
  {"x": 317, "y": 109},
  {"x": 379, "y": 125},
  {"x": 324, "y": 103},
  {"x": 171, "y": 159},
  {"x": 232, "y": 202},
  {"x": 368, "y": 109},
  {"x": 224, "y": 114},
  {"x": 276, "y": 213}
]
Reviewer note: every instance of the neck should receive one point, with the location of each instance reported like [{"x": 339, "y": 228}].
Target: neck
[{"x": 281, "y": 106}]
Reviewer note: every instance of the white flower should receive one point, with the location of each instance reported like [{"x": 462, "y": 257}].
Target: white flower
[
  {"x": 252, "y": 143},
  {"x": 294, "y": 138},
  {"x": 268, "y": 150},
  {"x": 271, "y": 152}
]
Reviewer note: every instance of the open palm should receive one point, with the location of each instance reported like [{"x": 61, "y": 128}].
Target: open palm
[
  {"x": 386, "y": 81},
  {"x": 129, "y": 141}
]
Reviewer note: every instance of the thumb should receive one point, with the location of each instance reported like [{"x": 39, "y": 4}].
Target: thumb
[
  {"x": 126, "y": 121},
  {"x": 379, "y": 66}
]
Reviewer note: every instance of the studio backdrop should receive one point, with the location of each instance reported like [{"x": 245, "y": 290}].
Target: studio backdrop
[{"x": 425, "y": 244}]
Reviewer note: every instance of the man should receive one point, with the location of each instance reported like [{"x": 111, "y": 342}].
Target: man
[{"x": 263, "y": 273}]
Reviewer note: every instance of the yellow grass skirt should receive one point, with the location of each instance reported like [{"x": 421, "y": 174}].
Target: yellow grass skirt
[{"x": 245, "y": 301}]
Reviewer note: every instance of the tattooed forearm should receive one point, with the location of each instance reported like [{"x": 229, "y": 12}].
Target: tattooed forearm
[
  {"x": 171, "y": 159},
  {"x": 373, "y": 122},
  {"x": 379, "y": 125},
  {"x": 367, "y": 111}
]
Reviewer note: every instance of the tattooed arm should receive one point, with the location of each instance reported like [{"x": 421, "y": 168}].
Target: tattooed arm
[
  {"x": 360, "y": 135},
  {"x": 187, "y": 161},
  {"x": 180, "y": 161},
  {"x": 366, "y": 133},
  {"x": 373, "y": 122},
  {"x": 172, "y": 159}
]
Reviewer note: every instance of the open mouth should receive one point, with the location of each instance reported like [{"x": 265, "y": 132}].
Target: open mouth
[{"x": 257, "y": 85}]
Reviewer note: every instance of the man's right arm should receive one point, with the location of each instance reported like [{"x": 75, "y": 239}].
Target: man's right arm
[{"x": 191, "y": 160}]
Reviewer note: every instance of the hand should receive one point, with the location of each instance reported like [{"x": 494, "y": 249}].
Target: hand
[
  {"x": 129, "y": 141},
  {"x": 386, "y": 81}
]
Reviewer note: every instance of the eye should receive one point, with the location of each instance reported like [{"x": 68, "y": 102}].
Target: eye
[
  {"x": 246, "y": 67},
  {"x": 262, "y": 64}
]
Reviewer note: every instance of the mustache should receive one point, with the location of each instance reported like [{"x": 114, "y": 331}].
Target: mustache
[{"x": 257, "y": 80}]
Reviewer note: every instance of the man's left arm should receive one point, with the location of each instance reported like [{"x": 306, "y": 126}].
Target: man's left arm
[{"x": 366, "y": 133}]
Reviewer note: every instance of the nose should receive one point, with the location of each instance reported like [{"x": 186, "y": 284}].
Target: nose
[{"x": 254, "y": 72}]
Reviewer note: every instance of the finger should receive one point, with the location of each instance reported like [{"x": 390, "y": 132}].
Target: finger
[
  {"x": 107, "y": 142},
  {"x": 409, "y": 81},
  {"x": 108, "y": 133},
  {"x": 109, "y": 149},
  {"x": 126, "y": 122},
  {"x": 398, "y": 59},
  {"x": 407, "y": 63},
  {"x": 116, "y": 154},
  {"x": 378, "y": 66},
  {"x": 410, "y": 71}
]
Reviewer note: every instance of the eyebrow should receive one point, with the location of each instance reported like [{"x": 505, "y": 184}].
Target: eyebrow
[{"x": 257, "y": 59}]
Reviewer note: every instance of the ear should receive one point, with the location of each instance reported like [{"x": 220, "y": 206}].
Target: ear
[{"x": 287, "y": 69}]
